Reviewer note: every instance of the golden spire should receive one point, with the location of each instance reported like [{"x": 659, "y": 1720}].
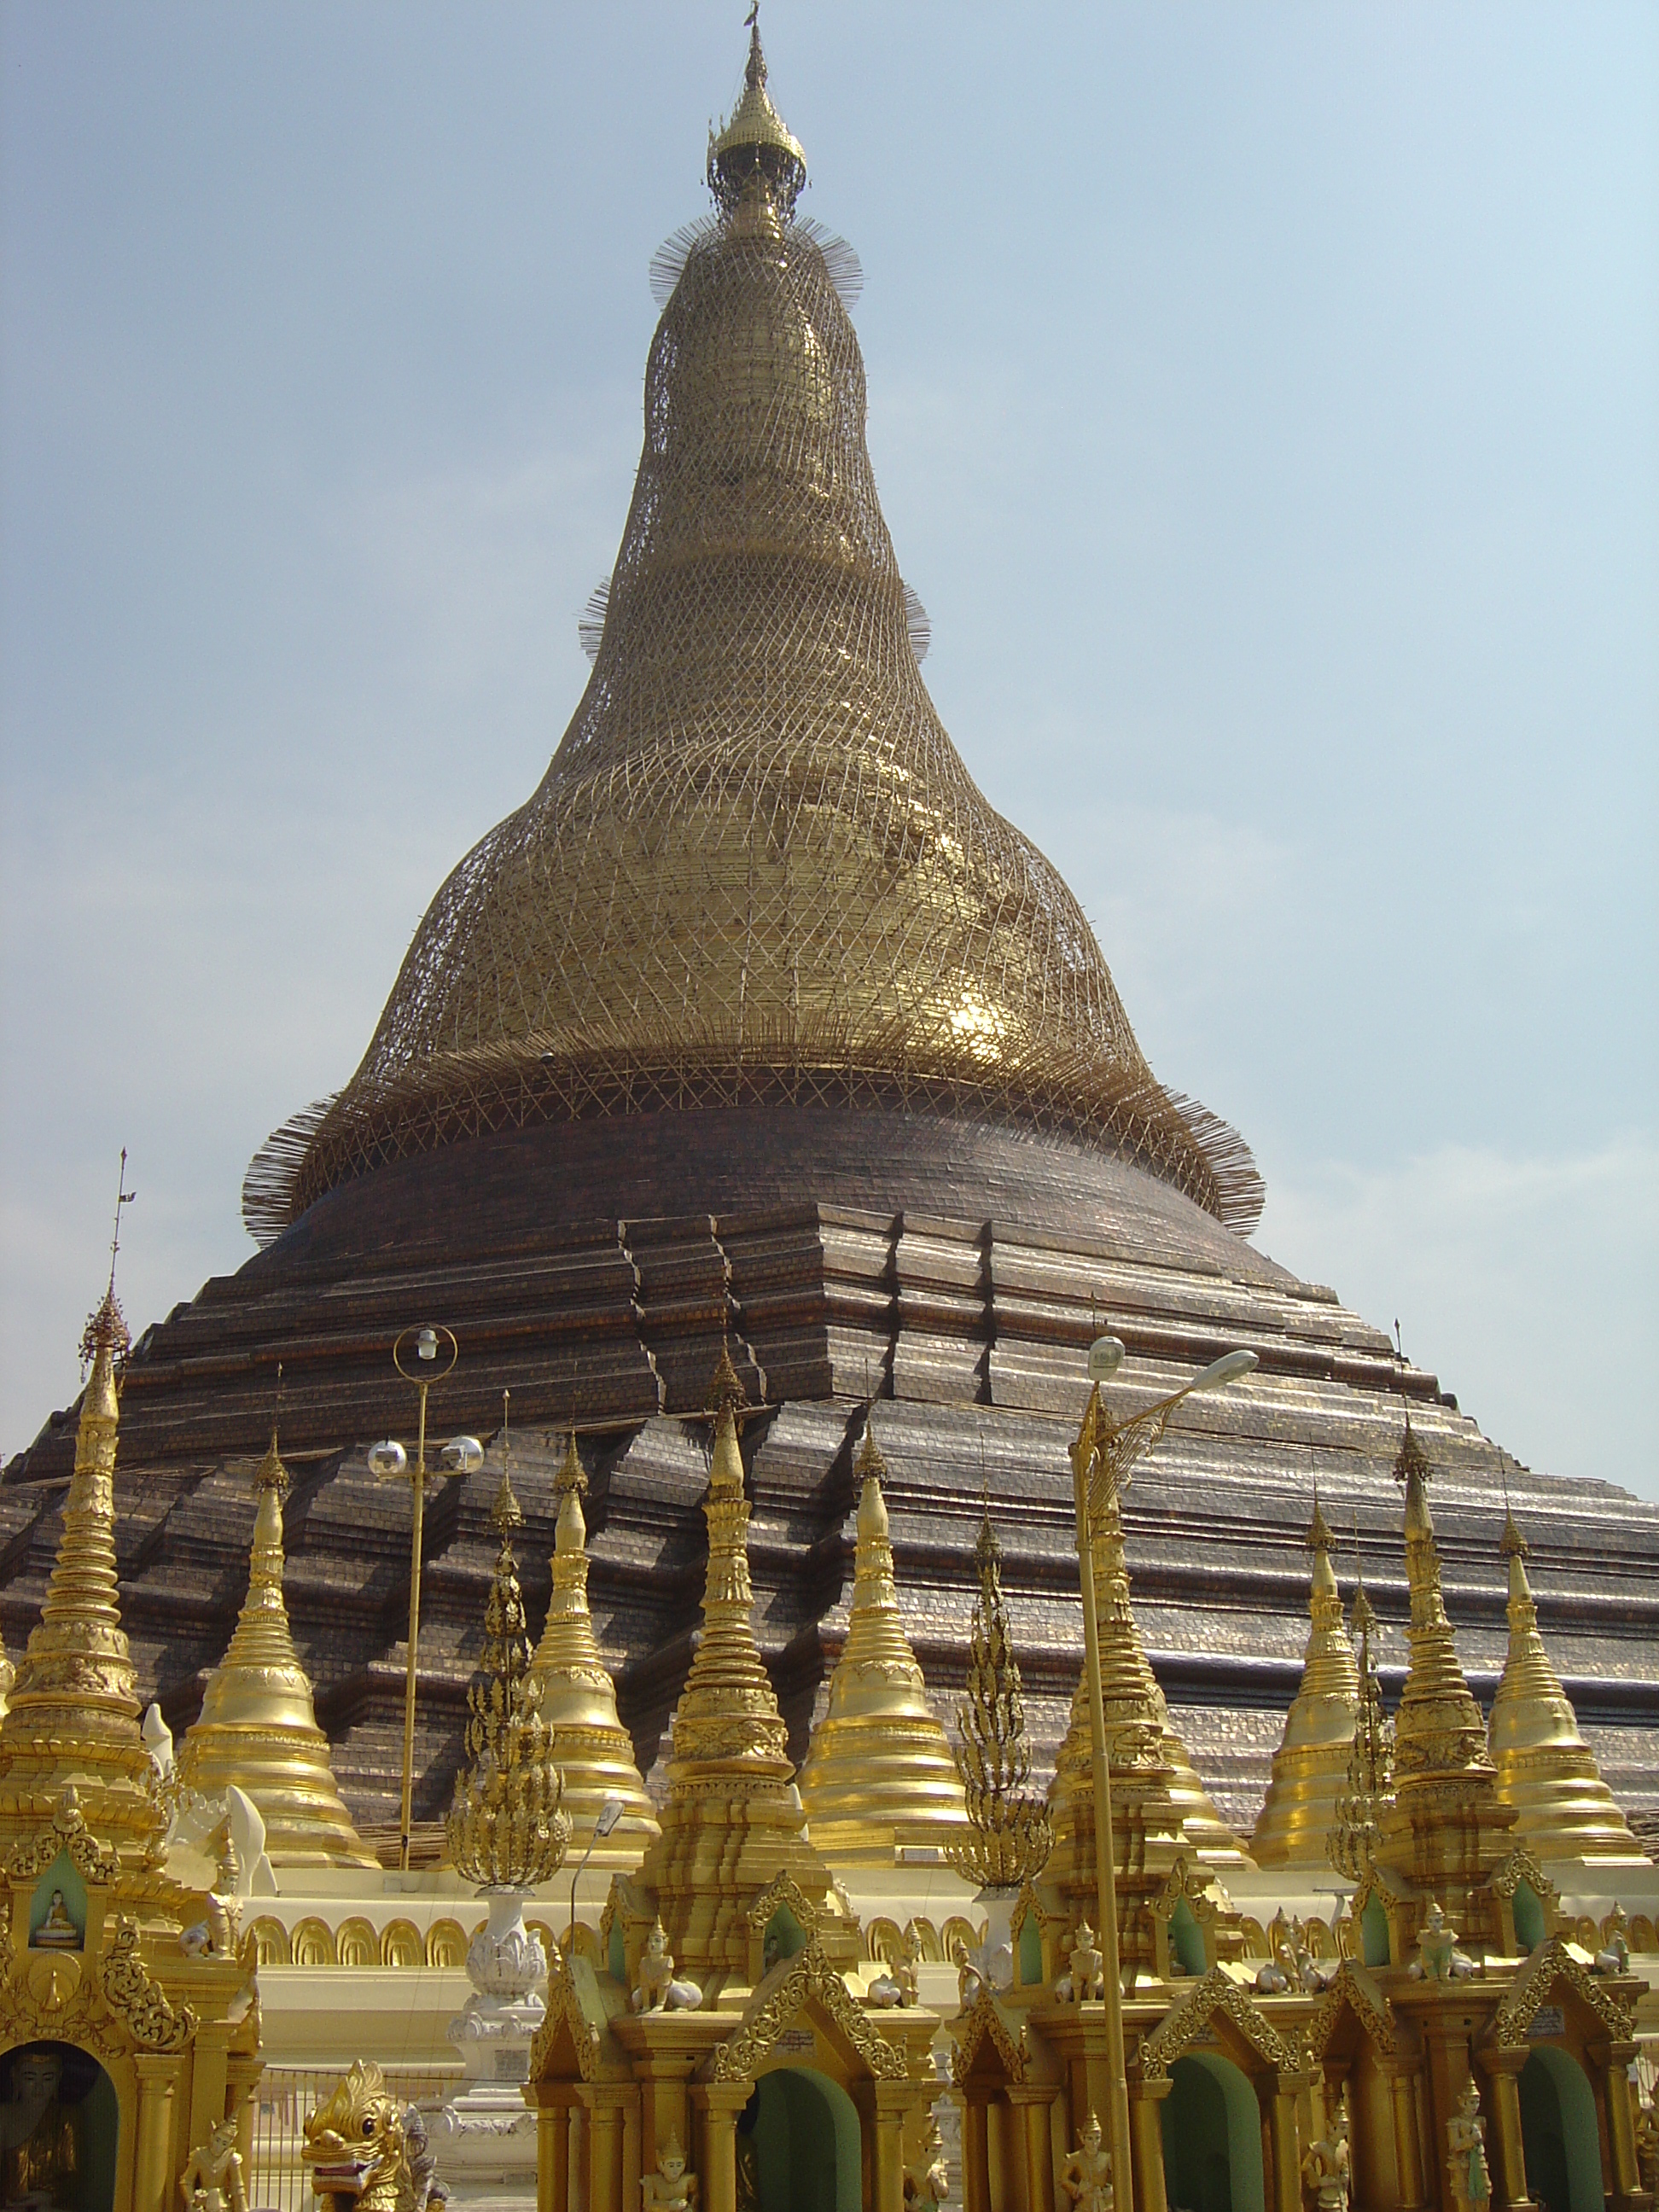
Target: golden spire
[
  {"x": 755, "y": 144},
  {"x": 594, "y": 1751},
  {"x": 1310, "y": 1766},
  {"x": 878, "y": 1773},
  {"x": 72, "y": 1716},
  {"x": 1010, "y": 1836},
  {"x": 8, "y": 1676},
  {"x": 1446, "y": 1830},
  {"x": 1439, "y": 1729},
  {"x": 732, "y": 1821},
  {"x": 257, "y": 1725},
  {"x": 505, "y": 1829},
  {"x": 1544, "y": 1768},
  {"x": 1136, "y": 1713},
  {"x": 1357, "y": 1816}
]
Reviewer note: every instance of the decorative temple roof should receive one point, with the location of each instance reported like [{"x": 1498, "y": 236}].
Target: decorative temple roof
[{"x": 756, "y": 868}]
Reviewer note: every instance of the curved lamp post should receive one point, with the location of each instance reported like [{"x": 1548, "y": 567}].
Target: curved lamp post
[
  {"x": 434, "y": 1352},
  {"x": 1103, "y": 1459}
]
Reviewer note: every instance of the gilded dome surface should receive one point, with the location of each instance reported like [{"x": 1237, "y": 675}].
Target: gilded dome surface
[{"x": 757, "y": 866}]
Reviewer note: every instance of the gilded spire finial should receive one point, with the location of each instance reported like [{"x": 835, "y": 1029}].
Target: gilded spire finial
[
  {"x": 1545, "y": 1769},
  {"x": 1010, "y": 1835},
  {"x": 878, "y": 1773},
  {"x": 1356, "y": 1820},
  {"x": 72, "y": 1715},
  {"x": 1310, "y": 1766},
  {"x": 257, "y": 1725},
  {"x": 754, "y": 143},
  {"x": 506, "y": 1829},
  {"x": 578, "y": 1698}
]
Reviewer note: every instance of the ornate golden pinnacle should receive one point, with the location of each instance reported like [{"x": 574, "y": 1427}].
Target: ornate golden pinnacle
[
  {"x": 507, "y": 1829},
  {"x": 1357, "y": 1827},
  {"x": 1010, "y": 1836}
]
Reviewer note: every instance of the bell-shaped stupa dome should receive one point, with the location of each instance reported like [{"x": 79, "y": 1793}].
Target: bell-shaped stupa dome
[{"x": 756, "y": 868}]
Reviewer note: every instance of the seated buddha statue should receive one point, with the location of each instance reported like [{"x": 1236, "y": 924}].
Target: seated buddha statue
[
  {"x": 57, "y": 1932},
  {"x": 39, "y": 2145}
]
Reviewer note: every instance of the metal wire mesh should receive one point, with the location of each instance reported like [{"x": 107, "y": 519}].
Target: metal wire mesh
[{"x": 757, "y": 867}]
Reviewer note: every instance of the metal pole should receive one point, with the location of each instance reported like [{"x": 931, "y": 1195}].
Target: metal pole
[
  {"x": 1105, "y": 1879},
  {"x": 418, "y": 1488}
]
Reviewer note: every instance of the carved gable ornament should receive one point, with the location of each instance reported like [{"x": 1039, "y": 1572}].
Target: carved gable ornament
[
  {"x": 985, "y": 2023},
  {"x": 575, "y": 2009},
  {"x": 806, "y": 1983},
  {"x": 783, "y": 1890},
  {"x": 67, "y": 1831},
  {"x": 1216, "y": 1997},
  {"x": 1354, "y": 1992},
  {"x": 123, "y": 2008},
  {"x": 1552, "y": 1967}
]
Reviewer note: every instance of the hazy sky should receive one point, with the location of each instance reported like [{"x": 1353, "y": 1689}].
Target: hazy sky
[{"x": 1263, "y": 403}]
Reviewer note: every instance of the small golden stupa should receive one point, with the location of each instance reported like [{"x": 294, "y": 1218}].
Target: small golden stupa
[
  {"x": 72, "y": 1716},
  {"x": 1134, "y": 1703},
  {"x": 1310, "y": 1767},
  {"x": 734, "y": 1819},
  {"x": 257, "y": 1725},
  {"x": 1447, "y": 1829},
  {"x": 878, "y": 1775},
  {"x": 578, "y": 1698},
  {"x": 1564, "y": 1810}
]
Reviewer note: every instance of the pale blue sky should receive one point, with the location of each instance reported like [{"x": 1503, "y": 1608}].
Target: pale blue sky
[{"x": 1263, "y": 403}]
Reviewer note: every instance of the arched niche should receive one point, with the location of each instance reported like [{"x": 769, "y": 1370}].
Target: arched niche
[
  {"x": 58, "y": 1903},
  {"x": 1211, "y": 2124},
  {"x": 1559, "y": 2133},
  {"x": 1374, "y": 1932},
  {"x": 1187, "y": 1940},
  {"x": 803, "y": 2129},
  {"x": 65, "y": 2140}
]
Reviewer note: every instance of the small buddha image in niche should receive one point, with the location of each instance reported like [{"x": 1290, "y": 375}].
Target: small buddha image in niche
[
  {"x": 43, "y": 2150},
  {"x": 57, "y": 1932}
]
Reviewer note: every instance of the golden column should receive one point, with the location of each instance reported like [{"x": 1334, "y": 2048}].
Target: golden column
[
  {"x": 1102, "y": 1460},
  {"x": 257, "y": 1725},
  {"x": 1544, "y": 1768},
  {"x": 1310, "y": 1766},
  {"x": 879, "y": 1772}
]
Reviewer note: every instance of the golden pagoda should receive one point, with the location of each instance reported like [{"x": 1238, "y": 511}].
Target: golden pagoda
[
  {"x": 71, "y": 1718},
  {"x": 734, "y": 1819},
  {"x": 1310, "y": 1767},
  {"x": 578, "y": 1705},
  {"x": 878, "y": 1775},
  {"x": 1564, "y": 1810},
  {"x": 8, "y": 1676},
  {"x": 1446, "y": 1830},
  {"x": 1135, "y": 1705},
  {"x": 257, "y": 1725}
]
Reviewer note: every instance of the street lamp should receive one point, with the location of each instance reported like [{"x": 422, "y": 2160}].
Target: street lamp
[
  {"x": 461, "y": 1455},
  {"x": 606, "y": 1819},
  {"x": 1103, "y": 1459}
]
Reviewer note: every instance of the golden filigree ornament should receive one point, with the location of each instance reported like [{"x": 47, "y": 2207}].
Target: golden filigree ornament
[
  {"x": 1356, "y": 1827},
  {"x": 1009, "y": 1836},
  {"x": 1310, "y": 1766},
  {"x": 506, "y": 1829}
]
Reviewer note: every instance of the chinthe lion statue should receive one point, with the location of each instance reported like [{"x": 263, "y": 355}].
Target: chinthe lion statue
[{"x": 367, "y": 2150}]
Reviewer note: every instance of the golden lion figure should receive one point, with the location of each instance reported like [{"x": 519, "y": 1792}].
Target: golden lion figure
[{"x": 368, "y": 2149}]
